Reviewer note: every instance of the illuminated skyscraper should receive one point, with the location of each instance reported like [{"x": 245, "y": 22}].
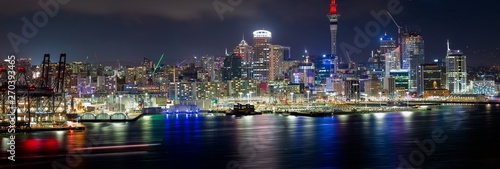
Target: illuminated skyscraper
[
  {"x": 387, "y": 44},
  {"x": 333, "y": 16},
  {"x": 413, "y": 56},
  {"x": 247, "y": 54},
  {"x": 456, "y": 71},
  {"x": 392, "y": 61},
  {"x": 232, "y": 67},
  {"x": 276, "y": 62},
  {"x": 261, "y": 47}
]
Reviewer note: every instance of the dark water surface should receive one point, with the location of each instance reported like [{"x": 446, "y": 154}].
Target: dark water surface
[{"x": 451, "y": 136}]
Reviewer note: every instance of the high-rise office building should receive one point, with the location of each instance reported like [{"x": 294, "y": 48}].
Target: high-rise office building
[
  {"x": 401, "y": 78},
  {"x": 325, "y": 67},
  {"x": 373, "y": 86},
  {"x": 232, "y": 67},
  {"x": 333, "y": 16},
  {"x": 276, "y": 57},
  {"x": 392, "y": 61},
  {"x": 261, "y": 47},
  {"x": 413, "y": 55},
  {"x": 247, "y": 54},
  {"x": 456, "y": 71},
  {"x": 387, "y": 44},
  {"x": 351, "y": 88},
  {"x": 429, "y": 77},
  {"x": 376, "y": 63},
  {"x": 390, "y": 84}
]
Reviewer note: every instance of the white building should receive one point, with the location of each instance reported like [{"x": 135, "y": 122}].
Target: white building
[{"x": 456, "y": 71}]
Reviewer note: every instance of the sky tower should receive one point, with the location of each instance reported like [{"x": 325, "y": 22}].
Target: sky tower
[{"x": 334, "y": 17}]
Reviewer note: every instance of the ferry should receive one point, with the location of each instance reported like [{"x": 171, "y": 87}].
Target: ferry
[{"x": 240, "y": 109}]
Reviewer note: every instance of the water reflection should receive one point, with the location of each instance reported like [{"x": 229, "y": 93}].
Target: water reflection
[{"x": 273, "y": 141}]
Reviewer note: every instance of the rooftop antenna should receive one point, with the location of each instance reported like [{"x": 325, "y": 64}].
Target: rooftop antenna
[{"x": 448, "y": 44}]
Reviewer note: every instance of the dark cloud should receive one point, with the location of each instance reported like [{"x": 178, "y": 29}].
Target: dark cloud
[{"x": 176, "y": 10}]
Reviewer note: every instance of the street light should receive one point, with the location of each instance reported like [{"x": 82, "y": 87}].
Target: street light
[
  {"x": 145, "y": 99},
  {"x": 380, "y": 98},
  {"x": 356, "y": 97},
  {"x": 106, "y": 103},
  {"x": 308, "y": 96},
  {"x": 120, "y": 109},
  {"x": 292, "y": 96},
  {"x": 240, "y": 96},
  {"x": 407, "y": 98},
  {"x": 248, "y": 94}
]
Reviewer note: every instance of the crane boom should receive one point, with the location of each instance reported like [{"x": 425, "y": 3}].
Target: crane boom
[
  {"x": 393, "y": 20},
  {"x": 399, "y": 38},
  {"x": 180, "y": 63},
  {"x": 158, "y": 64}
]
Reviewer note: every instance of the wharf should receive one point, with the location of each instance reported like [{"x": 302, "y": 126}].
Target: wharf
[{"x": 76, "y": 127}]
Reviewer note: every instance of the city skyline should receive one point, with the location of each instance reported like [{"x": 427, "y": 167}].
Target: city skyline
[{"x": 132, "y": 34}]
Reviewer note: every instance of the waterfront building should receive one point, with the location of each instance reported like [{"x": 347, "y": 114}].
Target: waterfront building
[
  {"x": 240, "y": 87},
  {"x": 389, "y": 84},
  {"x": 429, "y": 77},
  {"x": 373, "y": 86},
  {"x": 182, "y": 91},
  {"x": 484, "y": 85},
  {"x": 456, "y": 71},
  {"x": 210, "y": 90},
  {"x": 401, "y": 78},
  {"x": 436, "y": 93},
  {"x": 351, "y": 89}
]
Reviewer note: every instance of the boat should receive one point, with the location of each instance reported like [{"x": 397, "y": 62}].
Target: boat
[
  {"x": 240, "y": 109},
  {"x": 422, "y": 107}
]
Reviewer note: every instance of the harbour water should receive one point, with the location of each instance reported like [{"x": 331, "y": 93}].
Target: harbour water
[{"x": 449, "y": 136}]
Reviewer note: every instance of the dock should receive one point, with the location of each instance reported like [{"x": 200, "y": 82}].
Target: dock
[{"x": 35, "y": 128}]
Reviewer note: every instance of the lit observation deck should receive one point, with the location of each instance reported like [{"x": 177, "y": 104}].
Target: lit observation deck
[{"x": 262, "y": 34}]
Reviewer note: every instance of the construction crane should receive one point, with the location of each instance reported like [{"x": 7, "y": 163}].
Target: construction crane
[
  {"x": 158, "y": 64},
  {"x": 349, "y": 62},
  {"x": 399, "y": 33}
]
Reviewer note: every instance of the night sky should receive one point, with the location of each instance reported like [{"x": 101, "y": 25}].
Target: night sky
[{"x": 131, "y": 30}]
